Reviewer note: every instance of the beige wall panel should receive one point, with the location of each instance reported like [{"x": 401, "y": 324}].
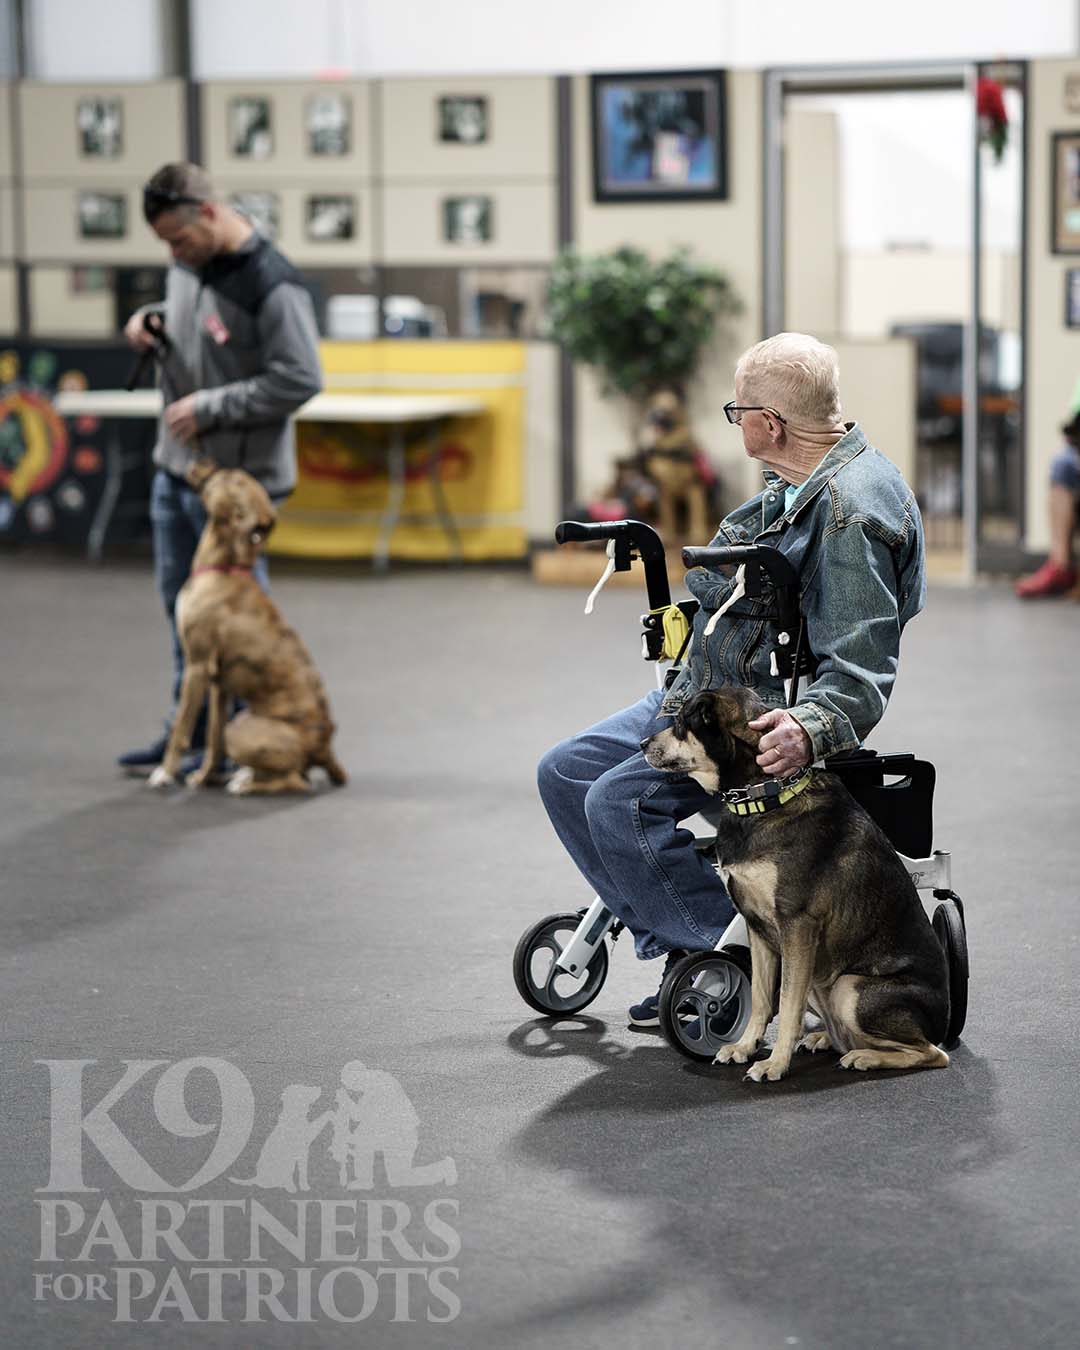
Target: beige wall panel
[
  {"x": 7, "y": 162},
  {"x": 9, "y": 303},
  {"x": 888, "y": 286},
  {"x": 897, "y": 286},
  {"x": 51, "y": 229},
  {"x": 152, "y": 131},
  {"x": 7, "y": 221},
  {"x": 524, "y": 224},
  {"x": 521, "y": 130},
  {"x": 812, "y": 223},
  {"x": 878, "y": 389},
  {"x": 727, "y": 234},
  {"x": 290, "y": 157},
  {"x": 541, "y": 440},
  {"x": 56, "y": 311},
  {"x": 1053, "y": 355},
  {"x": 292, "y": 234}
]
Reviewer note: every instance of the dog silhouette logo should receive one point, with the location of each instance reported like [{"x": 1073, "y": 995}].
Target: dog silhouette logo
[{"x": 371, "y": 1115}]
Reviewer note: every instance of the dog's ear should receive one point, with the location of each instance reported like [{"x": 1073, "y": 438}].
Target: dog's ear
[
  {"x": 200, "y": 471},
  {"x": 704, "y": 716}
]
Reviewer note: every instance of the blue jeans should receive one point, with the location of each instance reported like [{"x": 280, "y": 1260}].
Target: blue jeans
[
  {"x": 178, "y": 518},
  {"x": 617, "y": 818}
]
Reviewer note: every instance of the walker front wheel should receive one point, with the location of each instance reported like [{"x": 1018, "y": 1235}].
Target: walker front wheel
[
  {"x": 705, "y": 1002},
  {"x": 541, "y": 983}
]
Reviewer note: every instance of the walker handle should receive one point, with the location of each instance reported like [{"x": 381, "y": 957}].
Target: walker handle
[
  {"x": 769, "y": 559},
  {"x": 630, "y": 536}
]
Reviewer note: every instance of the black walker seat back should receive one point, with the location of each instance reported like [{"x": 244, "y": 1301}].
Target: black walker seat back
[{"x": 902, "y": 809}]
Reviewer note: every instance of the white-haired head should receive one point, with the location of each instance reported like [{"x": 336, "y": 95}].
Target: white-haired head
[{"x": 795, "y": 374}]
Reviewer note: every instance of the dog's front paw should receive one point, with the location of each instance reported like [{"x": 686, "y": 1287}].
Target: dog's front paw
[
  {"x": 815, "y": 1041},
  {"x": 769, "y": 1070},
  {"x": 204, "y": 776},
  {"x": 161, "y": 778},
  {"x": 737, "y": 1053},
  {"x": 241, "y": 784}
]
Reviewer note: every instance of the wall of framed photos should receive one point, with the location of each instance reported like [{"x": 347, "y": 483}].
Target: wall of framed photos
[{"x": 84, "y": 149}]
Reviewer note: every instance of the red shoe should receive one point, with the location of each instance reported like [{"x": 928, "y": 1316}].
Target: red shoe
[{"x": 1050, "y": 579}]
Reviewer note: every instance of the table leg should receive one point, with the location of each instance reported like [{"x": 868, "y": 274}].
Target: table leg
[
  {"x": 439, "y": 494},
  {"x": 114, "y": 477},
  {"x": 395, "y": 493}
]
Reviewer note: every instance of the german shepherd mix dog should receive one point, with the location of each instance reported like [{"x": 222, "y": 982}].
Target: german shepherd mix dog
[
  {"x": 236, "y": 642},
  {"x": 824, "y": 896}
]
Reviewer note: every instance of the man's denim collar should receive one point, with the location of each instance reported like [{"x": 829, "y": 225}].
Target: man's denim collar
[{"x": 853, "y": 442}]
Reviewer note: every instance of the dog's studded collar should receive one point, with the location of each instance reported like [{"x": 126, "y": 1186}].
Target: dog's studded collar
[{"x": 767, "y": 796}]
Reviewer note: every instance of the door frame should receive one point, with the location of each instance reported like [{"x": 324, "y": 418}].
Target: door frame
[{"x": 913, "y": 76}]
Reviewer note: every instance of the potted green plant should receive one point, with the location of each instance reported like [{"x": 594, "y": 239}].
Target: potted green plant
[{"x": 642, "y": 324}]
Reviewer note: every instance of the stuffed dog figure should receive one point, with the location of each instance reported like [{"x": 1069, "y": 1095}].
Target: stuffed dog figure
[
  {"x": 672, "y": 459},
  {"x": 236, "y": 643},
  {"x": 826, "y": 899}
]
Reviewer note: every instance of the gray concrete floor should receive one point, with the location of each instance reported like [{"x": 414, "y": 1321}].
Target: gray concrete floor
[{"x": 607, "y": 1193}]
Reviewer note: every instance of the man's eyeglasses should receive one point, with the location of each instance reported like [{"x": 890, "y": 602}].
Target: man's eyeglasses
[
  {"x": 156, "y": 201},
  {"x": 734, "y": 413}
]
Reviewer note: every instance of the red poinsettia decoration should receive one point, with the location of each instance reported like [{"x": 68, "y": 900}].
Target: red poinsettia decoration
[{"x": 993, "y": 119}]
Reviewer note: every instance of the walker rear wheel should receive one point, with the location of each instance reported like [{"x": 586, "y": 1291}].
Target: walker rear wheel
[
  {"x": 705, "y": 1002},
  {"x": 539, "y": 980},
  {"x": 948, "y": 924}
]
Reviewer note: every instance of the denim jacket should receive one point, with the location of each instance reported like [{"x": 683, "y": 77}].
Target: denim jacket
[{"x": 855, "y": 537}]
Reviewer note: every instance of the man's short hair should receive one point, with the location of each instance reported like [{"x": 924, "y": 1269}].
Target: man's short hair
[
  {"x": 176, "y": 187},
  {"x": 795, "y": 374}
]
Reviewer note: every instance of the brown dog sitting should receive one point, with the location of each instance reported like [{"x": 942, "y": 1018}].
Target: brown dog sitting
[
  {"x": 236, "y": 643},
  {"x": 671, "y": 458}
]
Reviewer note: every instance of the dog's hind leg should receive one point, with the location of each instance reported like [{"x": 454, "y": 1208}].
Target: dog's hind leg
[
  {"x": 271, "y": 752},
  {"x": 925, "y": 1056},
  {"x": 799, "y": 938},
  {"x": 896, "y": 1040}
]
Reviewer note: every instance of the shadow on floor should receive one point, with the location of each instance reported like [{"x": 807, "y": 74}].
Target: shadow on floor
[
  {"x": 880, "y": 1171},
  {"x": 88, "y": 867}
]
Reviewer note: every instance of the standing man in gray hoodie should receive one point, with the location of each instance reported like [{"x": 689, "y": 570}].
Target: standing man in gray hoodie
[{"x": 241, "y": 355}]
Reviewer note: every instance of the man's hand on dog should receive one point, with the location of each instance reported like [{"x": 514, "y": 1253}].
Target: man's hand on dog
[
  {"x": 785, "y": 747},
  {"x": 180, "y": 418}
]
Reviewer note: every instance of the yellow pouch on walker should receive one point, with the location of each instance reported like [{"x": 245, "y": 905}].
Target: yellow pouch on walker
[{"x": 676, "y": 631}]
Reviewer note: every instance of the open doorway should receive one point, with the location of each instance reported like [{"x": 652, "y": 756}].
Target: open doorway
[{"x": 895, "y": 231}]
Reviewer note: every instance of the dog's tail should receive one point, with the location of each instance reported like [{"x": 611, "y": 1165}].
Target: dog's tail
[{"x": 334, "y": 771}]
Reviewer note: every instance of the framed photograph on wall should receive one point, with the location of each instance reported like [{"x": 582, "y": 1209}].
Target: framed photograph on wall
[
  {"x": 263, "y": 209},
  {"x": 1072, "y": 297},
  {"x": 659, "y": 137},
  {"x": 100, "y": 123},
  {"x": 468, "y": 220},
  {"x": 463, "y": 119},
  {"x": 250, "y": 129},
  {"x": 328, "y": 124},
  {"x": 329, "y": 217},
  {"x": 1065, "y": 208},
  {"x": 102, "y": 215}
]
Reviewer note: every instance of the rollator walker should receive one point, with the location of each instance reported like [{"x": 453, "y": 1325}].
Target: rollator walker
[{"x": 561, "y": 962}]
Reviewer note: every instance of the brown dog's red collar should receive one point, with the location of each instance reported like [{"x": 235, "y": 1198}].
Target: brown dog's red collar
[{"x": 225, "y": 571}]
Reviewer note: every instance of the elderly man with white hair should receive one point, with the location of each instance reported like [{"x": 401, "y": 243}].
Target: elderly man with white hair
[{"x": 843, "y": 515}]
